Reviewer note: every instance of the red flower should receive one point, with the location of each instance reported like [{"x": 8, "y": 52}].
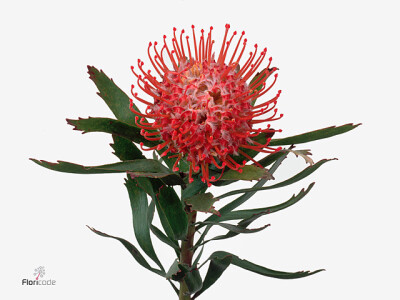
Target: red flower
[{"x": 202, "y": 107}]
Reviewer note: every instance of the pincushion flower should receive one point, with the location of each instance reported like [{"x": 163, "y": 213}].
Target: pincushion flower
[
  {"x": 201, "y": 110},
  {"x": 202, "y": 105}
]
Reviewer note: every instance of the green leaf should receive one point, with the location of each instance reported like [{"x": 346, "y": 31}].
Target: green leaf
[
  {"x": 271, "y": 158},
  {"x": 163, "y": 238},
  {"x": 138, "y": 200},
  {"x": 303, "y": 174},
  {"x": 132, "y": 250},
  {"x": 242, "y": 224},
  {"x": 150, "y": 211},
  {"x": 249, "y": 213},
  {"x": 125, "y": 150},
  {"x": 175, "y": 272},
  {"x": 196, "y": 261},
  {"x": 247, "y": 265},
  {"x": 192, "y": 278},
  {"x": 235, "y": 228},
  {"x": 112, "y": 126},
  {"x": 114, "y": 97},
  {"x": 136, "y": 168},
  {"x": 250, "y": 172},
  {"x": 119, "y": 104},
  {"x": 171, "y": 206},
  {"x": 216, "y": 268},
  {"x": 202, "y": 202},
  {"x": 194, "y": 188},
  {"x": 239, "y": 201},
  {"x": 314, "y": 135}
]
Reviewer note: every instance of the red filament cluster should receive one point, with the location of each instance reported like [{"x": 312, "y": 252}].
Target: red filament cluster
[{"x": 202, "y": 107}]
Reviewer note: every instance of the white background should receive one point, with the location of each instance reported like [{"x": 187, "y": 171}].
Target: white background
[{"x": 339, "y": 63}]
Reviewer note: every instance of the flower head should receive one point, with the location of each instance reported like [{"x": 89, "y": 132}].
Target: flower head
[{"x": 202, "y": 107}]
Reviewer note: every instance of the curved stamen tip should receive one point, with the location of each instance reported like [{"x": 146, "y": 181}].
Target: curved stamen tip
[
  {"x": 255, "y": 46},
  {"x": 176, "y": 169},
  {"x": 243, "y": 33},
  {"x": 174, "y": 28},
  {"x": 183, "y": 31},
  {"x": 235, "y": 33},
  {"x": 132, "y": 68},
  {"x": 192, "y": 26},
  {"x": 209, "y": 184},
  {"x": 227, "y": 26},
  {"x": 150, "y": 44},
  {"x": 212, "y": 178},
  {"x": 164, "y": 36},
  {"x": 191, "y": 180},
  {"x": 240, "y": 171},
  {"x": 155, "y": 43},
  {"x": 202, "y": 31},
  {"x": 211, "y": 28},
  {"x": 280, "y": 91}
]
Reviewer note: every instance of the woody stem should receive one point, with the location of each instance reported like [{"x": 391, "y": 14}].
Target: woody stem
[{"x": 187, "y": 253}]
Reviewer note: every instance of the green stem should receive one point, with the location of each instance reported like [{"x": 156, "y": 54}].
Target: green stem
[{"x": 187, "y": 253}]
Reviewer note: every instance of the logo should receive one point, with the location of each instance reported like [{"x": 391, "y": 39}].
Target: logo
[{"x": 39, "y": 272}]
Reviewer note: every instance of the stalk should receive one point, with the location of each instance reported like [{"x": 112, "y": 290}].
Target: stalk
[{"x": 187, "y": 253}]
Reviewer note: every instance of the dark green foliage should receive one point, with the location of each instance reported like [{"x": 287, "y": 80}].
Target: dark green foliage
[
  {"x": 111, "y": 126},
  {"x": 313, "y": 135},
  {"x": 151, "y": 179}
]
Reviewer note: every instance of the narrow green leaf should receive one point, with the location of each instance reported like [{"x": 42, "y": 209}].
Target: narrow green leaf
[
  {"x": 247, "y": 265},
  {"x": 239, "y": 201},
  {"x": 136, "y": 168},
  {"x": 125, "y": 150},
  {"x": 242, "y": 224},
  {"x": 197, "y": 259},
  {"x": 132, "y": 250},
  {"x": 202, "y": 202},
  {"x": 235, "y": 228},
  {"x": 114, "y": 97},
  {"x": 248, "y": 213},
  {"x": 151, "y": 186},
  {"x": 150, "y": 212},
  {"x": 171, "y": 206},
  {"x": 314, "y": 135},
  {"x": 194, "y": 188},
  {"x": 138, "y": 200},
  {"x": 192, "y": 278},
  {"x": 249, "y": 172},
  {"x": 119, "y": 104},
  {"x": 112, "y": 126},
  {"x": 163, "y": 238},
  {"x": 216, "y": 268},
  {"x": 175, "y": 272},
  {"x": 303, "y": 174},
  {"x": 271, "y": 158}
]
